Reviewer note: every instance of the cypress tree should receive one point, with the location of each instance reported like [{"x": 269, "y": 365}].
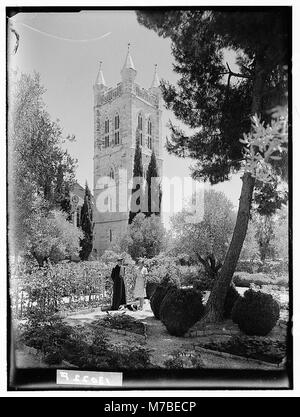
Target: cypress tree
[
  {"x": 137, "y": 172},
  {"x": 86, "y": 220},
  {"x": 152, "y": 172}
]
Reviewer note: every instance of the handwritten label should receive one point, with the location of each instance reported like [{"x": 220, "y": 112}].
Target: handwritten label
[{"x": 87, "y": 378}]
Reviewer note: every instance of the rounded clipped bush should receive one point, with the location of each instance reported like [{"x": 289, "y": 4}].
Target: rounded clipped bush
[
  {"x": 180, "y": 309},
  {"x": 157, "y": 298},
  {"x": 256, "y": 313},
  {"x": 231, "y": 298},
  {"x": 150, "y": 288}
]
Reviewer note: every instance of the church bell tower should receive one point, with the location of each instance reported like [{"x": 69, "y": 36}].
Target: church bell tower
[{"x": 121, "y": 115}]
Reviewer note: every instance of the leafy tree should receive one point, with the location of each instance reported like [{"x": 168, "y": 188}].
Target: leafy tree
[
  {"x": 280, "y": 240},
  {"x": 152, "y": 172},
  {"x": 37, "y": 165},
  {"x": 250, "y": 248},
  {"x": 144, "y": 237},
  {"x": 50, "y": 235},
  {"x": 136, "y": 188},
  {"x": 264, "y": 235},
  {"x": 219, "y": 102},
  {"x": 206, "y": 240},
  {"x": 86, "y": 222}
]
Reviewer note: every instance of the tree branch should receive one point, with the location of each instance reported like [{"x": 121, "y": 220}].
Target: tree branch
[
  {"x": 234, "y": 74},
  {"x": 203, "y": 262}
]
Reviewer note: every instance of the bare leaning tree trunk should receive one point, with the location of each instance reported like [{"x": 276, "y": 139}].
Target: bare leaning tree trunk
[{"x": 215, "y": 304}]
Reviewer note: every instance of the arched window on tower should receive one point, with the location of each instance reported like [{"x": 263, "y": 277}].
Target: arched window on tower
[
  {"x": 140, "y": 129},
  {"x": 149, "y": 134},
  {"x": 117, "y": 129},
  {"x": 112, "y": 174},
  {"x": 98, "y": 120},
  {"x": 106, "y": 133}
]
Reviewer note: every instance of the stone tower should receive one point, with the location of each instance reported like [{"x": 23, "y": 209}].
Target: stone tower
[{"x": 121, "y": 114}]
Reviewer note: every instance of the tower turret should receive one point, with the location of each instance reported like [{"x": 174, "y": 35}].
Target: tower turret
[
  {"x": 155, "y": 82},
  {"x": 100, "y": 84},
  {"x": 128, "y": 71}
]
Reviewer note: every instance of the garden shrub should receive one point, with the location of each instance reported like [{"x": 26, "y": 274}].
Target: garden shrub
[
  {"x": 180, "y": 360},
  {"x": 250, "y": 266},
  {"x": 256, "y": 313},
  {"x": 66, "y": 286},
  {"x": 168, "y": 283},
  {"x": 47, "y": 333},
  {"x": 150, "y": 288},
  {"x": 277, "y": 267},
  {"x": 87, "y": 347},
  {"x": 244, "y": 279},
  {"x": 204, "y": 282},
  {"x": 121, "y": 321},
  {"x": 184, "y": 259},
  {"x": 180, "y": 309},
  {"x": 250, "y": 347},
  {"x": 157, "y": 298},
  {"x": 231, "y": 298},
  {"x": 189, "y": 275}
]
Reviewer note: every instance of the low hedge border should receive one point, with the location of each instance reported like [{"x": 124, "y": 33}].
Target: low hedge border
[{"x": 226, "y": 355}]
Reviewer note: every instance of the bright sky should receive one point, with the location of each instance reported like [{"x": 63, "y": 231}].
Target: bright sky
[{"x": 56, "y": 46}]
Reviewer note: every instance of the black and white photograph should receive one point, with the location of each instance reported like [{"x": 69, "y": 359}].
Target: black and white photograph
[{"x": 149, "y": 198}]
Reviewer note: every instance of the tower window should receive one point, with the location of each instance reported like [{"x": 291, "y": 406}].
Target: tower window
[
  {"x": 112, "y": 174},
  {"x": 140, "y": 122},
  {"x": 106, "y": 126},
  {"x": 106, "y": 131},
  {"x": 98, "y": 121},
  {"x": 140, "y": 129},
  {"x": 117, "y": 132},
  {"x": 117, "y": 122},
  {"x": 110, "y": 235},
  {"x": 149, "y": 134}
]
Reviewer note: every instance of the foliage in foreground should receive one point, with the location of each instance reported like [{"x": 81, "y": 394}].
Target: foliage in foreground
[
  {"x": 180, "y": 309},
  {"x": 183, "y": 360},
  {"x": 85, "y": 347},
  {"x": 121, "y": 321},
  {"x": 251, "y": 347},
  {"x": 256, "y": 313}
]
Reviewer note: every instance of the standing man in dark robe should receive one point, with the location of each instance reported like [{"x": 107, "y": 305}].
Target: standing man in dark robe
[{"x": 117, "y": 275}]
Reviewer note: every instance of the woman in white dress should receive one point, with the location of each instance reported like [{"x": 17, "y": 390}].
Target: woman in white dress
[{"x": 140, "y": 284}]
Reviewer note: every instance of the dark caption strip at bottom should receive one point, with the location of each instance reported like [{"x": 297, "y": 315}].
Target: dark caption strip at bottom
[{"x": 46, "y": 379}]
